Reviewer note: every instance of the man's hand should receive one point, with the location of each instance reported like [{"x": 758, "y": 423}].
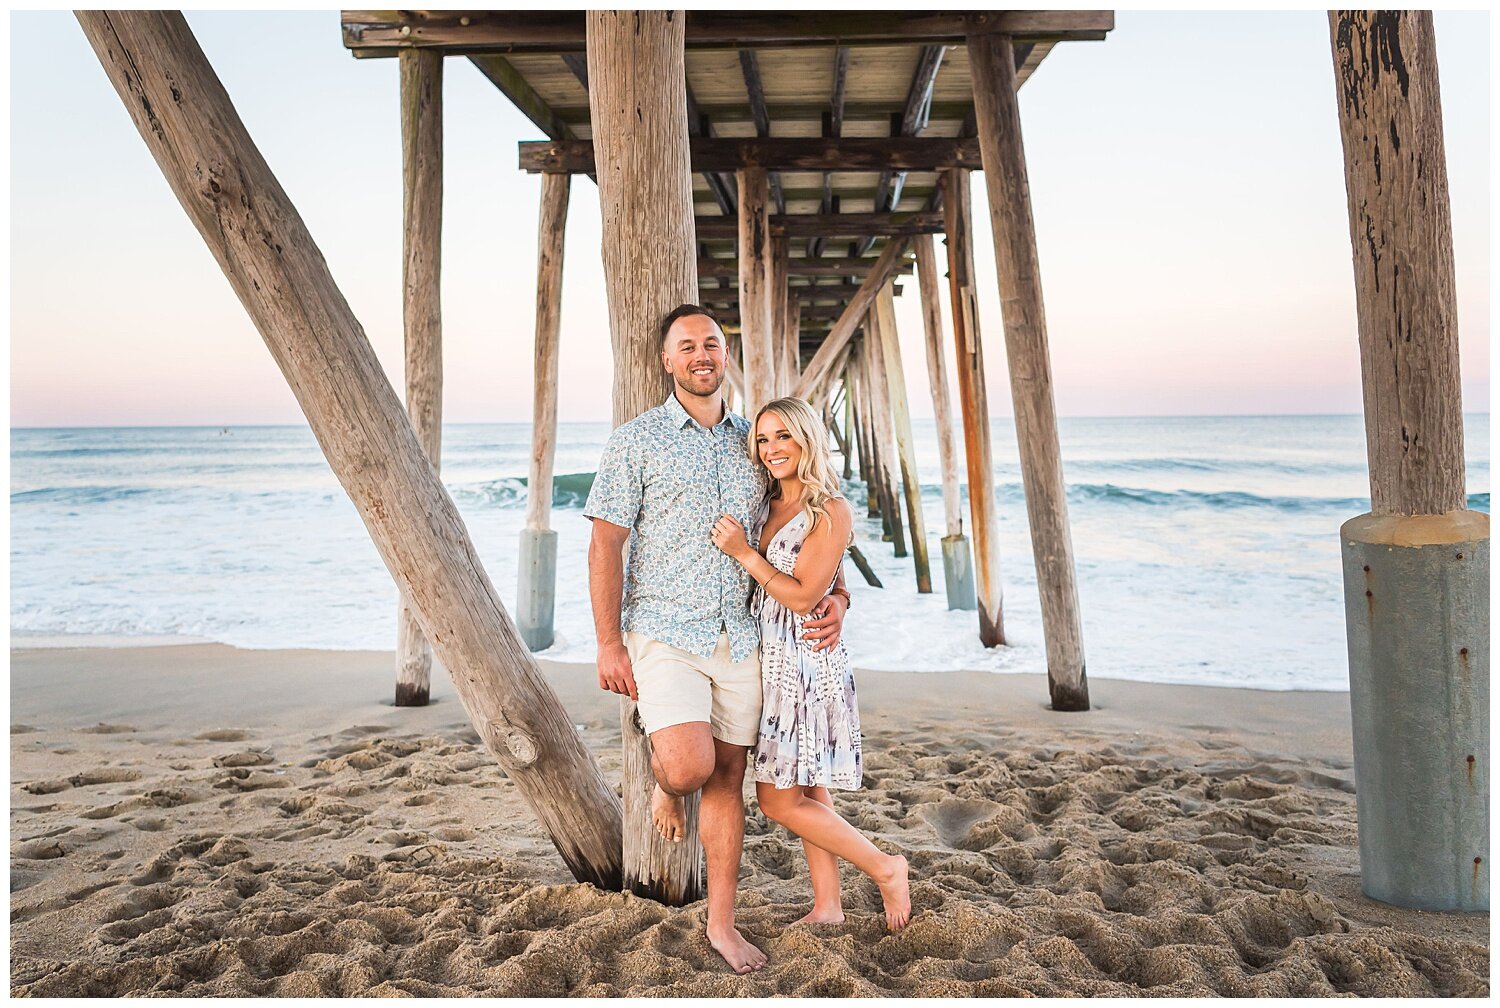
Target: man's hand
[
  {"x": 826, "y": 624},
  {"x": 614, "y": 671}
]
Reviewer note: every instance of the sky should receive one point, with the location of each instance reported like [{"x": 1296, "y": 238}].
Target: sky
[{"x": 1186, "y": 179}]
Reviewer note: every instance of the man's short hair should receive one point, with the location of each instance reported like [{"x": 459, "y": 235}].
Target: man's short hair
[{"x": 683, "y": 311}]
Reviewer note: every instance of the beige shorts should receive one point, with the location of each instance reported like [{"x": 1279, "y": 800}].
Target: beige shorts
[{"x": 676, "y": 687}]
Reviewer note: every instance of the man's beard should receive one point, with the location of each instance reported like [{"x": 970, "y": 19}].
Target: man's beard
[{"x": 718, "y": 383}]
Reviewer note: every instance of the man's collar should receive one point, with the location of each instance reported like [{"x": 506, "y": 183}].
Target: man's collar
[{"x": 680, "y": 417}]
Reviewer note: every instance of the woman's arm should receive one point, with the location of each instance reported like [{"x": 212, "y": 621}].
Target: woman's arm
[{"x": 820, "y": 557}]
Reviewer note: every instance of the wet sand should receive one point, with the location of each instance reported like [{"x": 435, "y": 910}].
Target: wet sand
[{"x": 201, "y": 820}]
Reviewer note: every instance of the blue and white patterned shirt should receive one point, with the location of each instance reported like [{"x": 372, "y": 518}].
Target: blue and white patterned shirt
[{"x": 668, "y": 479}]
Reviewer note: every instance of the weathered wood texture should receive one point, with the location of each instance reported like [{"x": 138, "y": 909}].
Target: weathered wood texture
[
  {"x": 851, "y": 444},
  {"x": 781, "y": 316},
  {"x": 819, "y": 369},
  {"x": 421, "y": 312},
  {"x": 650, "y": 267},
  {"x": 551, "y": 228},
  {"x": 716, "y": 154},
  {"x": 847, "y": 225},
  {"x": 757, "y": 316},
  {"x": 376, "y": 32},
  {"x": 993, "y": 72},
  {"x": 937, "y": 379},
  {"x": 790, "y": 368},
  {"x": 974, "y": 405},
  {"x": 1400, "y": 224},
  {"x": 230, "y": 194},
  {"x": 906, "y": 453},
  {"x": 886, "y": 457},
  {"x": 799, "y": 267}
]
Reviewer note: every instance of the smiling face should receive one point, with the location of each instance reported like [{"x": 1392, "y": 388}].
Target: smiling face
[
  {"x": 693, "y": 354},
  {"x": 777, "y": 450}
]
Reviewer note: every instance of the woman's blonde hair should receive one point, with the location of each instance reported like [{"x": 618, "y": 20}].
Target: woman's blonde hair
[{"x": 815, "y": 469}]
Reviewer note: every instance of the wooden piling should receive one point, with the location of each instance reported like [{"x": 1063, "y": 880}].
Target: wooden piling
[
  {"x": 421, "y": 311},
  {"x": 638, "y": 102},
  {"x": 757, "y": 317},
  {"x": 779, "y": 293},
  {"x": 974, "y": 404},
  {"x": 895, "y": 383},
  {"x": 992, "y": 69},
  {"x": 958, "y": 564},
  {"x": 851, "y": 437},
  {"x": 188, "y": 122},
  {"x": 537, "y": 572},
  {"x": 885, "y": 433},
  {"x": 1417, "y": 567},
  {"x": 820, "y": 368}
]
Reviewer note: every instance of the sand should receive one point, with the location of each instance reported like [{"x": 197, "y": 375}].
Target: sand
[{"x": 199, "y": 820}]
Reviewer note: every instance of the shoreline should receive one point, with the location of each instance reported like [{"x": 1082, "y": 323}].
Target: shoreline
[
  {"x": 106, "y": 642},
  {"x": 201, "y": 820}
]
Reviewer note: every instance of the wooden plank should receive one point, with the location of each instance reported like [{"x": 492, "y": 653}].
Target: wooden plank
[
  {"x": 801, "y": 292},
  {"x": 817, "y": 370},
  {"x": 524, "y": 97},
  {"x": 777, "y": 154},
  {"x": 1391, "y": 126},
  {"x": 906, "y": 452},
  {"x": 421, "y": 85},
  {"x": 376, "y": 33},
  {"x": 994, "y": 76},
  {"x": 645, "y": 201},
  {"x": 973, "y": 398},
  {"x": 755, "y": 91},
  {"x": 186, "y": 119},
  {"x": 832, "y": 226},
  {"x": 802, "y": 267}
]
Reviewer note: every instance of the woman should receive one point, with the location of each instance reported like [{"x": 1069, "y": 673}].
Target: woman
[{"x": 809, "y": 732}]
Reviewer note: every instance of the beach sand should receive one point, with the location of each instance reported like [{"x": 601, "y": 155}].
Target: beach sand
[{"x": 206, "y": 821}]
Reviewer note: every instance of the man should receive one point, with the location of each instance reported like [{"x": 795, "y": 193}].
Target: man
[{"x": 674, "y": 627}]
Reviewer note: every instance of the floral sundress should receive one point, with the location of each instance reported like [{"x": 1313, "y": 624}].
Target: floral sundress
[{"x": 809, "y": 727}]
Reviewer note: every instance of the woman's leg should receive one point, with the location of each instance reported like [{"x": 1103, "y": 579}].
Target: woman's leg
[
  {"x": 828, "y": 902},
  {"x": 822, "y": 826}
]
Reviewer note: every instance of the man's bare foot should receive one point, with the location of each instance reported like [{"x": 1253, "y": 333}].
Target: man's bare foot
[
  {"x": 669, "y": 815},
  {"x": 741, "y": 956},
  {"x": 820, "y": 915},
  {"x": 896, "y": 893}
]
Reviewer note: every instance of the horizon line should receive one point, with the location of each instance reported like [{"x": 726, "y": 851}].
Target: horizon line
[{"x": 491, "y": 423}]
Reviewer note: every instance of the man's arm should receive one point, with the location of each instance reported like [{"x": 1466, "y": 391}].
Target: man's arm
[
  {"x": 827, "y": 624},
  {"x": 606, "y": 589}
]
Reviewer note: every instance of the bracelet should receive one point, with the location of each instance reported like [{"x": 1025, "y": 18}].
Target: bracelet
[
  {"x": 843, "y": 592},
  {"x": 766, "y": 584}
]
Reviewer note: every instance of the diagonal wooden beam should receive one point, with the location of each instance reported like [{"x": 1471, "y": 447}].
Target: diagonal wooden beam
[
  {"x": 913, "y": 120},
  {"x": 269, "y": 257},
  {"x": 513, "y": 85},
  {"x": 820, "y": 367}
]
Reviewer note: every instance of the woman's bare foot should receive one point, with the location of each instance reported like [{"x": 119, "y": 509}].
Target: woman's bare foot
[
  {"x": 822, "y": 915},
  {"x": 669, "y": 815},
  {"x": 896, "y": 893},
  {"x": 741, "y": 956}
]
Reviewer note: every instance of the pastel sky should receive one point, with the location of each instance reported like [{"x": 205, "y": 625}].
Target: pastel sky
[{"x": 1186, "y": 178}]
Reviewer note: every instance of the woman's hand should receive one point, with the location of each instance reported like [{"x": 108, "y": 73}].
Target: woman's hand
[{"x": 729, "y": 536}]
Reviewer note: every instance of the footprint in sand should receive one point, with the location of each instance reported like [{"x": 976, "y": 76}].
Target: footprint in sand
[
  {"x": 223, "y": 735},
  {"x": 975, "y": 824},
  {"x": 249, "y": 758},
  {"x": 107, "y": 729}
]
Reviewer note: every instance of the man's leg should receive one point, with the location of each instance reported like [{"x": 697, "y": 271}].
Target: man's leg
[
  {"x": 721, "y": 826},
  {"x": 682, "y": 760}
]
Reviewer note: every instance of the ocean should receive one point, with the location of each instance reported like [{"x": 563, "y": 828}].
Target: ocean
[{"x": 1207, "y": 548}]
